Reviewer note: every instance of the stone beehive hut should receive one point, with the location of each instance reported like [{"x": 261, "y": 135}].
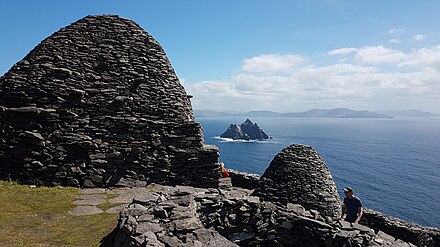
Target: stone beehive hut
[
  {"x": 298, "y": 175},
  {"x": 98, "y": 104}
]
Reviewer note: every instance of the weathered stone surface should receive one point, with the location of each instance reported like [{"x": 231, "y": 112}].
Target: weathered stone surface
[
  {"x": 407, "y": 231},
  {"x": 223, "y": 218},
  {"x": 173, "y": 221},
  {"x": 298, "y": 175},
  {"x": 85, "y": 210},
  {"x": 243, "y": 179},
  {"x": 98, "y": 104},
  {"x": 245, "y": 131}
]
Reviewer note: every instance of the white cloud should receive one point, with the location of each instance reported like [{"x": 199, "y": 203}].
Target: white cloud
[
  {"x": 242, "y": 92},
  {"x": 271, "y": 63},
  {"x": 420, "y": 37},
  {"x": 414, "y": 82},
  {"x": 342, "y": 51},
  {"x": 338, "y": 69},
  {"x": 395, "y": 30},
  {"x": 424, "y": 58},
  {"x": 375, "y": 55},
  {"x": 395, "y": 41}
]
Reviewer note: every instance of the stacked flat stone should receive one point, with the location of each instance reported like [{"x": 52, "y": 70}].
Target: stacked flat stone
[
  {"x": 160, "y": 219},
  {"x": 400, "y": 229},
  {"x": 188, "y": 216},
  {"x": 243, "y": 179},
  {"x": 298, "y": 175},
  {"x": 98, "y": 104}
]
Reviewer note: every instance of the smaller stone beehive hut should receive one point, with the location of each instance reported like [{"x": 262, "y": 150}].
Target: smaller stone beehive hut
[
  {"x": 298, "y": 175},
  {"x": 98, "y": 104}
]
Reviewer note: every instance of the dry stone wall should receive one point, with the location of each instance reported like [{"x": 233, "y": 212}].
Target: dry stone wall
[
  {"x": 188, "y": 216},
  {"x": 298, "y": 175},
  {"x": 399, "y": 229},
  {"x": 243, "y": 179},
  {"x": 98, "y": 104}
]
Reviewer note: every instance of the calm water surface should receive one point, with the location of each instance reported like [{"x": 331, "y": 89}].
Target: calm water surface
[{"x": 392, "y": 164}]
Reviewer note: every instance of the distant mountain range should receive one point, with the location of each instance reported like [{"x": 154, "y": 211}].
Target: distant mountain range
[
  {"x": 407, "y": 113},
  {"x": 321, "y": 113}
]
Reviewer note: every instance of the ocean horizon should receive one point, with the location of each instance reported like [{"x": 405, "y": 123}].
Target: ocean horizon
[{"x": 392, "y": 164}]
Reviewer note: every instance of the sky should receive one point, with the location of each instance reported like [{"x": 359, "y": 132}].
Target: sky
[{"x": 279, "y": 55}]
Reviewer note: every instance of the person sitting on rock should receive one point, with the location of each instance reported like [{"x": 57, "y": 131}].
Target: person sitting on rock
[
  {"x": 225, "y": 172},
  {"x": 352, "y": 206}
]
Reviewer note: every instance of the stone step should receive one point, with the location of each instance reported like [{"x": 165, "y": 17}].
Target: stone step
[{"x": 225, "y": 183}]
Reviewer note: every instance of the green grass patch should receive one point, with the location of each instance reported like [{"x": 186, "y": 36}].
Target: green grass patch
[
  {"x": 111, "y": 196},
  {"x": 107, "y": 205},
  {"x": 39, "y": 217}
]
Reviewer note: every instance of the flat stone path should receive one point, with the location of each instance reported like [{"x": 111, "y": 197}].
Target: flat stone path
[
  {"x": 85, "y": 210},
  {"x": 87, "y": 200}
]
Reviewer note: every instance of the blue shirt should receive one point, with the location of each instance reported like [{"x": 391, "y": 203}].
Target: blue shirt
[{"x": 352, "y": 206}]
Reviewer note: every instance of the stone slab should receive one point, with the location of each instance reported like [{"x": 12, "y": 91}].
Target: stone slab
[{"x": 85, "y": 210}]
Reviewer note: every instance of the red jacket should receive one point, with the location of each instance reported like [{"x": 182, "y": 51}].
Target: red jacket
[{"x": 225, "y": 173}]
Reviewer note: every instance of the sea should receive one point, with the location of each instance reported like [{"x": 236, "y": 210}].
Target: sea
[{"x": 392, "y": 164}]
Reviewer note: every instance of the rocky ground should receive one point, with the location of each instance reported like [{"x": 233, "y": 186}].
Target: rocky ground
[
  {"x": 187, "y": 216},
  {"x": 88, "y": 198}
]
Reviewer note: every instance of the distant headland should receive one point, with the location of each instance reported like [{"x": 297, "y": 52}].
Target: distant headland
[{"x": 320, "y": 113}]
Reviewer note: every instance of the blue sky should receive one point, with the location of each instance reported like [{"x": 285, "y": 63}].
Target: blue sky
[{"x": 274, "y": 55}]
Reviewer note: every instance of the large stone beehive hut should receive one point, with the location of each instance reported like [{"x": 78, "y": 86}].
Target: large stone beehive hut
[
  {"x": 98, "y": 104},
  {"x": 298, "y": 175}
]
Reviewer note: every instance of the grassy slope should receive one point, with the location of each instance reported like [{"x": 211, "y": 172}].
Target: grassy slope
[{"x": 39, "y": 217}]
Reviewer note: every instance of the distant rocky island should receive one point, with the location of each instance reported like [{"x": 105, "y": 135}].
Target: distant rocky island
[{"x": 245, "y": 131}]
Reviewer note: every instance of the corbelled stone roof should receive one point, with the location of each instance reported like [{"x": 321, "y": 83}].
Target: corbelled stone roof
[
  {"x": 106, "y": 63},
  {"x": 98, "y": 104},
  {"x": 298, "y": 175}
]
